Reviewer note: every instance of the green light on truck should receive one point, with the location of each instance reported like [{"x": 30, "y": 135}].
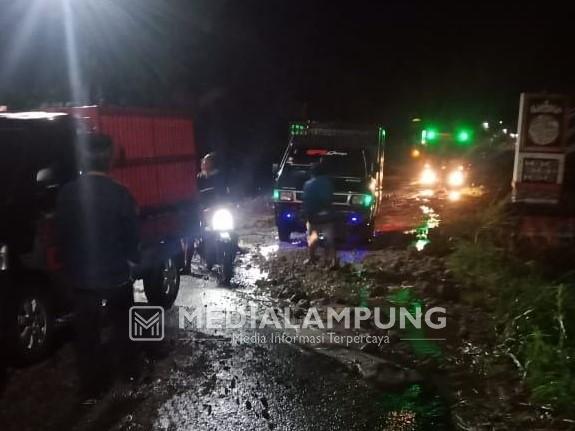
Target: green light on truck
[
  {"x": 463, "y": 136},
  {"x": 432, "y": 134},
  {"x": 381, "y": 135},
  {"x": 367, "y": 200},
  {"x": 298, "y": 129},
  {"x": 428, "y": 135},
  {"x": 276, "y": 195}
]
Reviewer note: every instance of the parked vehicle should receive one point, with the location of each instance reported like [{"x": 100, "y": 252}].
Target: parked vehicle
[
  {"x": 353, "y": 158},
  {"x": 155, "y": 157}
]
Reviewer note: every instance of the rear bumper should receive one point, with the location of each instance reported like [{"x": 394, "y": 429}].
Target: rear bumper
[{"x": 350, "y": 221}]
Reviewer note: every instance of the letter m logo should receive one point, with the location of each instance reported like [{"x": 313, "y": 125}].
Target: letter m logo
[{"x": 146, "y": 323}]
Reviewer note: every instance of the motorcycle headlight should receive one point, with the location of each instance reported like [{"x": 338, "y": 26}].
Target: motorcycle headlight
[
  {"x": 3, "y": 257},
  {"x": 428, "y": 176},
  {"x": 222, "y": 220},
  {"x": 456, "y": 178}
]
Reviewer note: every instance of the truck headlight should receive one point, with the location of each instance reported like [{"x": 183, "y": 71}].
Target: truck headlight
[
  {"x": 456, "y": 178},
  {"x": 286, "y": 196},
  {"x": 428, "y": 176},
  {"x": 222, "y": 220},
  {"x": 3, "y": 257}
]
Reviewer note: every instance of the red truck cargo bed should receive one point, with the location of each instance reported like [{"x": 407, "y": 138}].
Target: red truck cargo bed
[
  {"x": 155, "y": 158},
  {"x": 155, "y": 152}
]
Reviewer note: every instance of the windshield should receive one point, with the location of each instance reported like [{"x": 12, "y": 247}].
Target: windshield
[{"x": 337, "y": 162}]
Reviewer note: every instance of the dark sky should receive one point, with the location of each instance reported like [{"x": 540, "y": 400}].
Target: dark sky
[{"x": 247, "y": 67}]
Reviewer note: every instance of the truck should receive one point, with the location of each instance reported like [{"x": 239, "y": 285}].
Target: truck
[
  {"x": 353, "y": 158},
  {"x": 155, "y": 158},
  {"x": 441, "y": 159}
]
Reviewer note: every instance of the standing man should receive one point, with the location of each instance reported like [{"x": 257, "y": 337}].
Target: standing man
[
  {"x": 320, "y": 218},
  {"x": 98, "y": 233}
]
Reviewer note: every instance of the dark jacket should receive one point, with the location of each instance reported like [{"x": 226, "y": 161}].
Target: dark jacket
[
  {"x": 317, "y": 199},
  {"x": 213, "y": 189},
  {"x": 97, "y": 222}
]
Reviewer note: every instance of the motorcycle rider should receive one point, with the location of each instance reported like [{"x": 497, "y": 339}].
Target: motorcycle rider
[
  {"x": 211, "y": 182},
  {"x": 213, "y": 193}
]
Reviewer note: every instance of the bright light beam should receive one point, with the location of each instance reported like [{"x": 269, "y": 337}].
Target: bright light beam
[
  {"x": 20, "y": 41},
  {"x": 78, "y": 91}
]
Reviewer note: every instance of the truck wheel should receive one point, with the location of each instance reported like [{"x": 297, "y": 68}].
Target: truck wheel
[
  {"x": 29, "y": 326},
  {"x": 284, "y": 233},
  {"x": 163, "y": 284}
]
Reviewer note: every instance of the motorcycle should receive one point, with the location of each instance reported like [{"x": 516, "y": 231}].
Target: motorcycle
[{"x": 218, "y": 243}]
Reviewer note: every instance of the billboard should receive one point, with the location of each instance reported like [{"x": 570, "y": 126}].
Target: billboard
[{"x": 540, "y": 149}]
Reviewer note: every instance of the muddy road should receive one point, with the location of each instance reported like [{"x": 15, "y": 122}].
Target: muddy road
[{"x": 248, "y": 378}]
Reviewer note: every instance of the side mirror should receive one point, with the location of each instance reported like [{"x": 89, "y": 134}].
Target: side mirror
[
  {"x": 45, "y": 177},
  {"x": 275, "y": 168},
  {"x": 46, "y": 187}
]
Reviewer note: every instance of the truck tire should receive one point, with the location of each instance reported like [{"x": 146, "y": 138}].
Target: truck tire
[
  {"x": 29, "y": 321},
  {"x": 163, "y": 284},
  {"x": 284, "y": 233}
]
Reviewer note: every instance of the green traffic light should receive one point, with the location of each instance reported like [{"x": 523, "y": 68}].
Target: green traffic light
[{"x": 276, "y": 195}]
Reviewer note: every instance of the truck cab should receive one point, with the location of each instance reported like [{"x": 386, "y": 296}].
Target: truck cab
[{"x": 352, "y": 158}]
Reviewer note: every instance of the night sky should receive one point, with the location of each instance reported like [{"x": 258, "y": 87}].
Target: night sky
[{"x": 248, "y": 67}]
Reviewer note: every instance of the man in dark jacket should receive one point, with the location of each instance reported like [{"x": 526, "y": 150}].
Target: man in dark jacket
[
  {"x": 98, "y": 232},
  {"x": 317, "y": 206}
]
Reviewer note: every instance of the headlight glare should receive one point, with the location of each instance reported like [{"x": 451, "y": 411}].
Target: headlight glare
[
  {"x": 428, "y": 176},
  {"x": 222, "y": 220},
  {"x": 456, "y": 178}
]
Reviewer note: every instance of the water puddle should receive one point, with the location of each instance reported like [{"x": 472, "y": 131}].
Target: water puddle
[
  {"x": 352, "y": 256},
  {"x": 430, "y": 221},
  {"x": 269, "y": 250}
]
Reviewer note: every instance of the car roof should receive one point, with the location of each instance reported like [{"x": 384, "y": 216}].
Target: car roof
[{"x": 33, "y": 115}]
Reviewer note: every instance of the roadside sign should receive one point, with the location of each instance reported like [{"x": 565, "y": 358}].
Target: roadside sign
[{"x": 540, "y": 149}]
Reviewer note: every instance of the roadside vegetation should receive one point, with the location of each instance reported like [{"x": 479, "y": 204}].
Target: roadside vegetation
[
  {"x": 533, "y": 303},
  {"x": 510, "y": 309}
]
